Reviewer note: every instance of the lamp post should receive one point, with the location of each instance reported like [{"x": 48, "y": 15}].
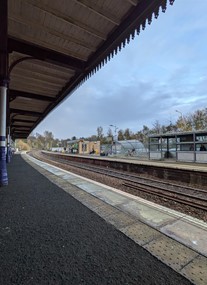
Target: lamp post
[
  {"x": 170, "y": 125},
  {"x": 115, "y": 129},
  {"x": 180, "y": 113}
]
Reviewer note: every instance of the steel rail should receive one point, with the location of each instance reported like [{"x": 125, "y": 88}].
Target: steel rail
[
  {"x": 133, "y": 178},
  {"x": 177, "y": 199}
]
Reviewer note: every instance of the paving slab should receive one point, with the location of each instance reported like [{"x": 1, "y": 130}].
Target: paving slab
[
  {"x": 151, "y": 216},
  {"x": 196, "y": 271},
  {"x": 171, "y": 252},
  {"x": 140, "y": 233},
  {"x": 191, "y": 235}
]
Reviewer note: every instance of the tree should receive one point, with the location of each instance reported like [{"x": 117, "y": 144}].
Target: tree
[
  {"x": 100, "y": 134},
  {"x": 55, "y": 143},
  {"x": 120, "y": 135},
  {"x": 22, "y": 145},
  {"x": 145, "y": 130},
  {"x": 184, "y": 123},
  {"x": 127, "y": 134},
  {"x": 171, "y": 127},
  {"x": 49, "y": 138},
  {"x": 157, "y": 128},
  {"x": 63, "y": 143},
  {"x": 31, "y": 140},
  {"x": 109, "y": 133},
  {"x": 40, "y": 141},
  {"x": 93, "y": 138},
  {"x": 199, "y": 119},
  {"x": 142, "y": 135}
]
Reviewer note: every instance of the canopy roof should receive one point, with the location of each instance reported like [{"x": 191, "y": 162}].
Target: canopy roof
[
  {"x": 179, "y": 134},
  {"x": 54, "y": 46}
]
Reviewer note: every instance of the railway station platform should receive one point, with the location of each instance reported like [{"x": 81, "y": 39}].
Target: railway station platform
[
  {"x": 59, "y": 228},
  {"x": 187, "y": 172}
]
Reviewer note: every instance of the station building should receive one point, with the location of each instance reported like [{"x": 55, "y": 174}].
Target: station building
[{"x": 81, "y": 146}]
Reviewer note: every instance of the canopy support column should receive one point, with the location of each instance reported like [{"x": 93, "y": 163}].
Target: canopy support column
[
  {"x": 3, "y": 88},
  {"x": 3, "y": 170},
  {"x": 8, "y": 153}
]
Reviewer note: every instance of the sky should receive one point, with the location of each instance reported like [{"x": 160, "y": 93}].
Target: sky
[{"x": 162, "y": 70}]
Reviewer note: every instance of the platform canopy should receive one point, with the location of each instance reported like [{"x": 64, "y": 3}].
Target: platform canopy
[{"x": 54, "y": 46}]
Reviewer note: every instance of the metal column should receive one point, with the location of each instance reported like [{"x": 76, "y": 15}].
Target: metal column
[
  {"x": 3, "y": 170},
  {"x": 8, "y": 153},
  {"x": 3, "y": 88}
]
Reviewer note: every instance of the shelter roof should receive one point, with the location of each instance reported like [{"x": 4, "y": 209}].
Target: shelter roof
[
  {"x": 54, "y": 46},
  {"x": 179, "y": 134}
]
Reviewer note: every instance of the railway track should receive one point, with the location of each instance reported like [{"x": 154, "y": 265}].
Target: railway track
[{"x": 190, "y": 196}]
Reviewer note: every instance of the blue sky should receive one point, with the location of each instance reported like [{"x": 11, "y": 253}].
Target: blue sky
[{"x": 162, "y": 70}]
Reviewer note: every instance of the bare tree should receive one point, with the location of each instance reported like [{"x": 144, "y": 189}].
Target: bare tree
[
  {"x": 49, "y": 138},
  {"x": 100, "y": 134},
  {"x": 157, "y": 128}
]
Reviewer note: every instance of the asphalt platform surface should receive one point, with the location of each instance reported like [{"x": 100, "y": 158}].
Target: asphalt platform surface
[{"x": 48, "y": 237}]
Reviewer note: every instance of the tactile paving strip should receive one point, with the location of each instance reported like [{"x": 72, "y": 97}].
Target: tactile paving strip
[
  {"x": 140, "y": 233},
  {"x": 171, "y": 252},
  {"x": 196, "y": 271}
]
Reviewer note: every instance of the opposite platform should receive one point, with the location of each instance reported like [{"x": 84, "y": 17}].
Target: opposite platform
[
  {"x": 191, "y": 173},
  {"x": 175, "y": 238},
  {"x": 192, "y": 166}
]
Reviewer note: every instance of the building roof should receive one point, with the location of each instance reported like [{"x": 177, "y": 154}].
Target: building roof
[{"x": 54, "y": 46}]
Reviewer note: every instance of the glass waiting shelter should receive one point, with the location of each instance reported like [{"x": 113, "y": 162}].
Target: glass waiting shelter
[{"x": 182, "y": 146}]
